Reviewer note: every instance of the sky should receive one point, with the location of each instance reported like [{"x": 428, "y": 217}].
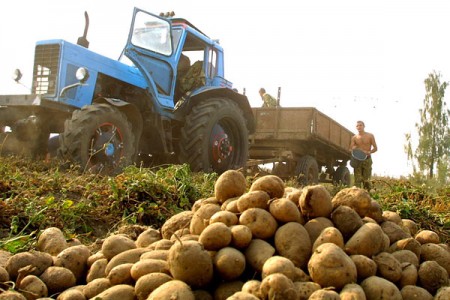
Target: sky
[{"x": 352, "y": 60}]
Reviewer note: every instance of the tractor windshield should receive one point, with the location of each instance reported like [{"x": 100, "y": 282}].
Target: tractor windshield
[{"x": 152, "y": 33}]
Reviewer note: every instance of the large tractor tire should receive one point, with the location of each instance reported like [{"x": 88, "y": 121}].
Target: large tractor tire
[
  {"x": 214, "y": 137},
  {"x": 307, "y": 170},
  {"x": 99, "y": 138},
  {"x": 341, "y": 176}
]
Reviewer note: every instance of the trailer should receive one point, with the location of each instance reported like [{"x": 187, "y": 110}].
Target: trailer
[{"x": 300, "y": 142}]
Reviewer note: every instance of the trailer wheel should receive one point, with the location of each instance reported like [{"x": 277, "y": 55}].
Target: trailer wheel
[
  {"x": 99, "y": 138},
  {"x": 214, "y": 137},
  {"x": 341, "y": 176},
  {"x": 307, "y": 170}
]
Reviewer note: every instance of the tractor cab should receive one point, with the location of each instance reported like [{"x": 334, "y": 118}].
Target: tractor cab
[{"x": 174, "y": 56}]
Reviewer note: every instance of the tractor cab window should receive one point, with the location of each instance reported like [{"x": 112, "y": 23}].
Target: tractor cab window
[{"x": 152, "y": 33}]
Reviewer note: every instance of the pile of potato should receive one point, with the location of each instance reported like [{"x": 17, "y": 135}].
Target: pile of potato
[{"x": 266, "y": 242}]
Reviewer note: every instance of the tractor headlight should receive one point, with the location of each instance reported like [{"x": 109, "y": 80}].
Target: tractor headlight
[{"x": 82, "y": 74}]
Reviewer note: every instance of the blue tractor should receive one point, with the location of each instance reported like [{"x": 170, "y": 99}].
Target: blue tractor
[{"x": 164, "y": 101}]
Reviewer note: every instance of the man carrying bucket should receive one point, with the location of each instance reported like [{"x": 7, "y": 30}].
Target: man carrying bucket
[{"x": 362, "y": 146}]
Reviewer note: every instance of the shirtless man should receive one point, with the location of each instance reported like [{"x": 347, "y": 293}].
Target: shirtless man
[{"x": 364, "y": 141}]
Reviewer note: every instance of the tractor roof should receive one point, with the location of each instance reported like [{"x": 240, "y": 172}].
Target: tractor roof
[{"x": 186, "y": 22}]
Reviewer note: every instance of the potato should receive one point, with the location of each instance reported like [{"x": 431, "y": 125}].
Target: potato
[
  {"x": 407, "y": 244},
  {"x": 375, "y": 212},
  {"x": 162, "y": 244},
  {"x": 71, "y": 294},
  {"x": 40, "y": 260},
  {"x": 51, "y": 241},
  {"x": 279, "y": 264},
  {"x": 262, "y": 224},
  {"x": 330, "y": 266},
  {"x": 257, "y": 252},
  {"x": 229, "y": 263},
  {"x": 117, "y": 292},
  {"x": 216, "y": 236},
  {"x": 284, "y": 210},
  {"x": 292, "y": 241},
  {"x": 196, "y": 272},
  {"x": 432, "y": 276},
  {"x": 242, "y": 296},
  {"x": 352, "y": 291},
  {"x": 379, "y": 288},
  {"x": 94, "y": 257},
  {"x": 176, "y": 222},
  {"x": 226, "y": 289},
  {"x": 365, "y": 267},
  {"x": 427, "y": 236},
  {"x": 292, "y": 194},
  {"x": 278, "y": 286},
  {"x": 231, "y": 205},
  {"x": 4, "y": 275},
  {"x": 4, "y": 256},
  {"x": 201, "y": 217},
  {"x": 315, "y": 226},
  {"x": 394, "y": 231},
  {"x": 406, "y": 256},
  {"x": 412, "y": 292},
  {"x": 147, "y": 237},
  {"x": 432, "y": 251},
  {"x": 230, "y": 183},
  {"x": 409, "y": 275},
  {"x": 32, "y": 284},
  {"x": 252, "y": 287},
  {"x": 357, "y": 198},
  {"x": 271, "y": 184},
  {"x": 347, "y": 220},
  {"x": 121, "y": 274},
  {"x": 116, "y": 244},
  {"x": 443, "y": 293},
  {"x": 75, "y": 259},
  {"x": 57, "y": 279},
  {"x": 200, "y": 202},
  {"x": 241, "y": 236},
  {"x": 300, "y": 275},
  {"x": 129, "y": 256},
  {"x": 12, "y": 295},
  {"x": 97, "y": 270},
  {"x": 149, "y": 282},
  {"x": 226, "y": 217},
  {"x": 329, "y": 235},
  {"x": 147, "y": 266},
  {"x": 315, "y": 201},
  {"x": 324, "y": 294},
  {"x": 96, "y": 287},
  {"x": 253, "y": 199},
  {"x": 202, "y": 295},
  {"x": 368, "y": 240},
  {"x": 388, "y": 266},
  {"x": 305, "y": 289},
  {"x": 392, "y": 216},
  {"x": 155, "y": 254},
  {"x": 411, "y": 225}
]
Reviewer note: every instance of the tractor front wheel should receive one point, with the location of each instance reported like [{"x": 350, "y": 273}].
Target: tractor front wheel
[{"x": 99, "y": 138}]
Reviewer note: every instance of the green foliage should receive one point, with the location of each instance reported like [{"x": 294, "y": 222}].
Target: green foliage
[{"x": 433, "y": 149}]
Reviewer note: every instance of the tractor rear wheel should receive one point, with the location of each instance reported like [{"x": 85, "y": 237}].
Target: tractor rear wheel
[
  {"x": 99, "y": 138},
  {"x": 307, "y": 170},
  {"x": 214, "y": 137}
]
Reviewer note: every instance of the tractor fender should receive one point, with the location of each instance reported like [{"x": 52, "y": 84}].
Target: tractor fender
[
  {"x": 205, "y": 93},
  {"x": 131, "y": 111}
]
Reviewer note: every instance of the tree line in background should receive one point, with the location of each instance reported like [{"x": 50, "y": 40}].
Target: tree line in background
[{"x": 431, "y": 157}]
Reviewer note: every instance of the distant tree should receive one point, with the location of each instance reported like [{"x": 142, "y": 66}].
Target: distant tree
[{"x": 432, "y": 152}]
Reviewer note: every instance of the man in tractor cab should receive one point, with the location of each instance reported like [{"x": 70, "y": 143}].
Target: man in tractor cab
[{"x": 183, "y": 67}]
